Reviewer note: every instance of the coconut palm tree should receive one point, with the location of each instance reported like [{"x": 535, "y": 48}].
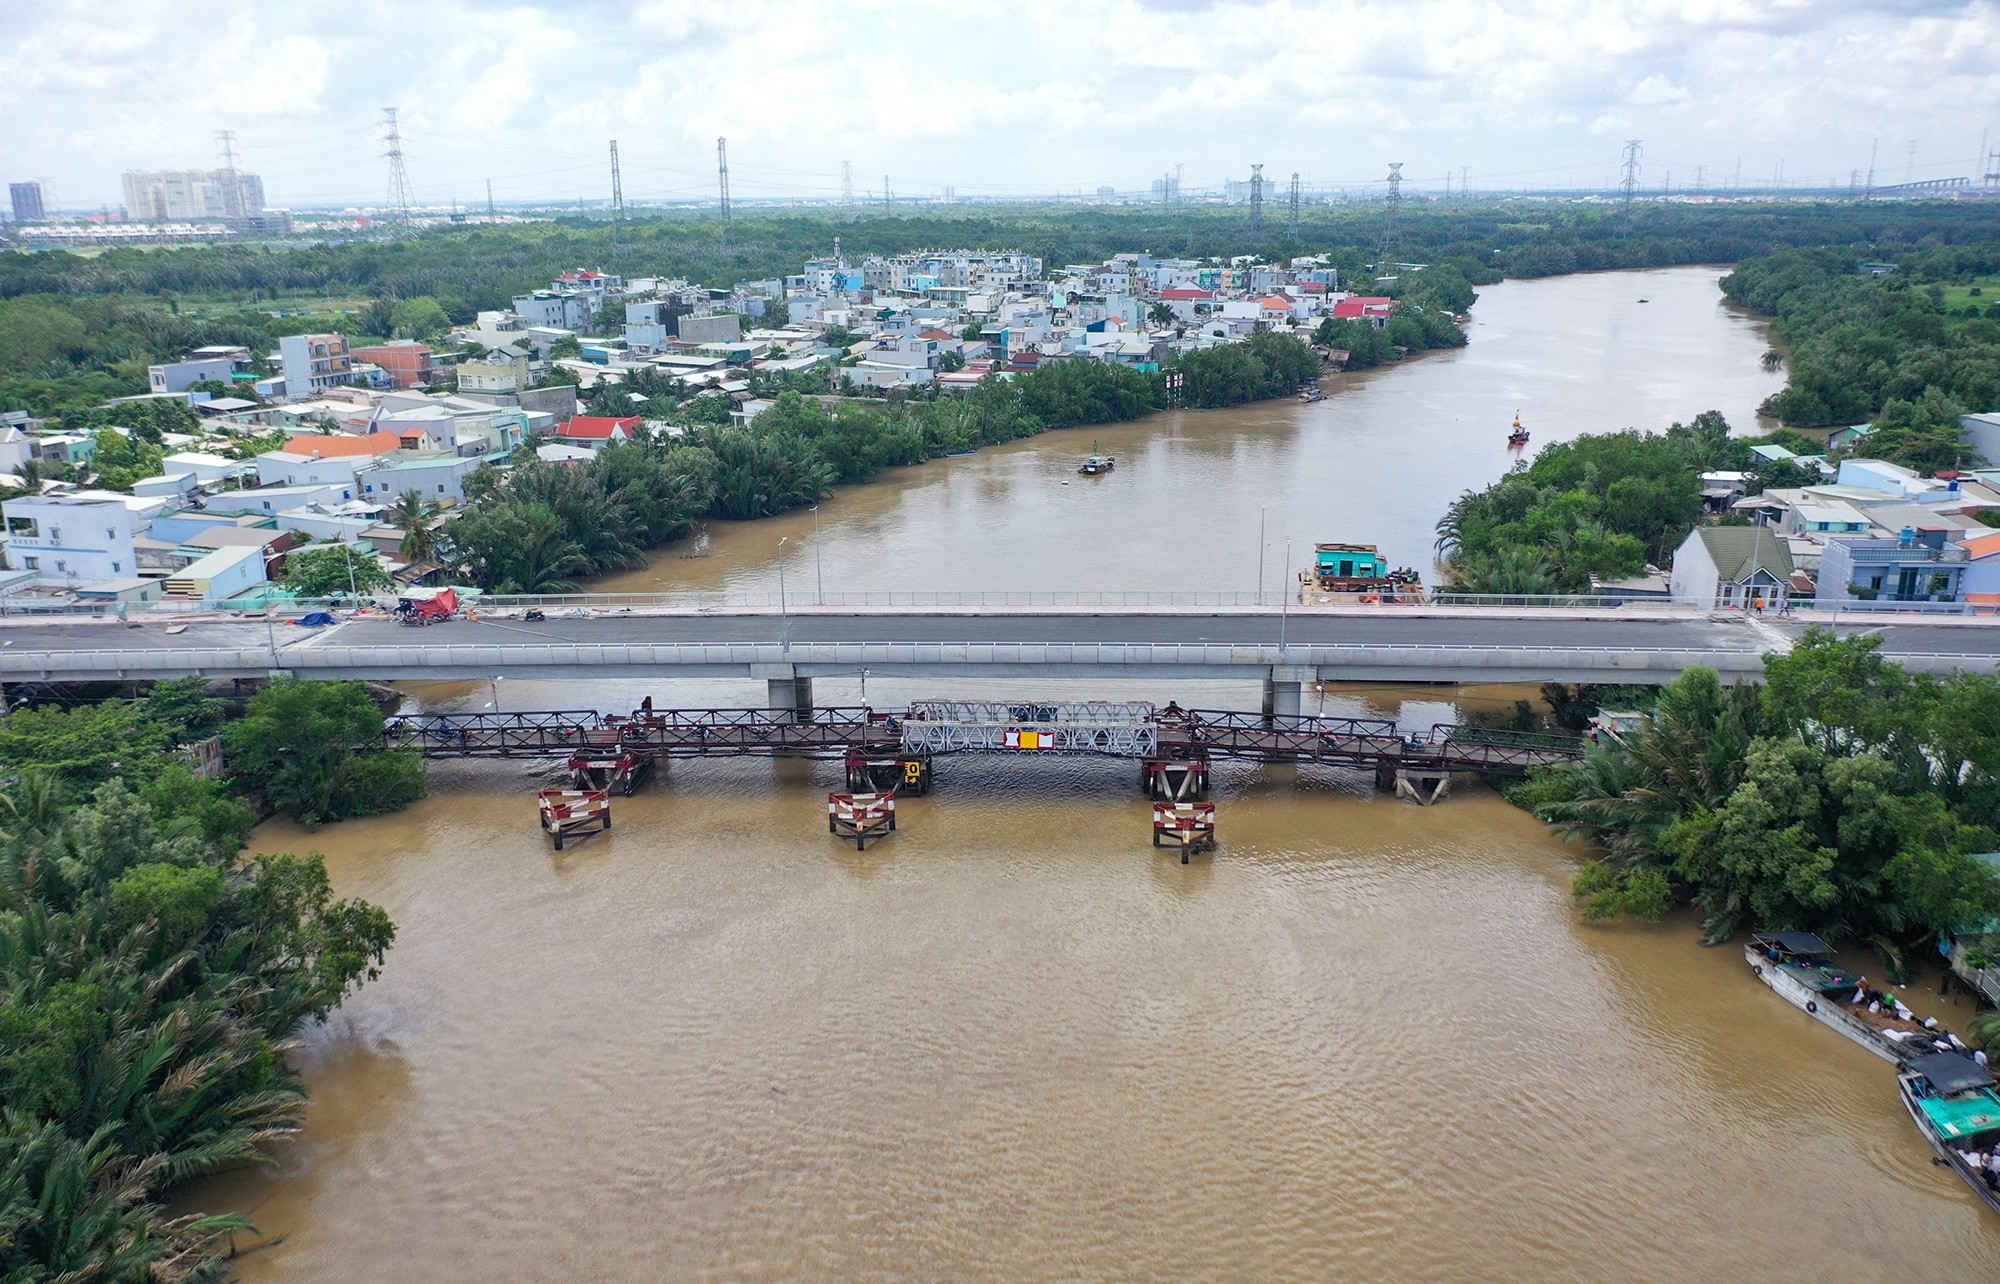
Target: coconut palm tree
[
  {"x": 1773, "y": 359},
  {"x": 414, "y": 514}
]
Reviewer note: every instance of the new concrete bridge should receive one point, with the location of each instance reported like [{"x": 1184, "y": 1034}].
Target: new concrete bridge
[{"x": 1283, "y": 648}]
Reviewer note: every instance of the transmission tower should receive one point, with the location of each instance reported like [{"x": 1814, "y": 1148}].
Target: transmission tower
[
  {"x": 1631, "y": 183},
  {"x": 618, "y": 247},
  {"x": 722, "y": 180},
  {"x": 847, "y": 182},
  {"x": 232, "y": 195},
  {"x": 1388, "y": 241},
  {"x": 1868, "y": 191},
  {"x": 888, "y": 201},
  {"x": 492, "y": 215},
  {"x": 1256, "y": 198},
  {"x": 399, "y": 178},
  {"x": 1464, "y": 173},
  {"x": 1697, "y": 178},
  {"x": 1295, "y": 205}
]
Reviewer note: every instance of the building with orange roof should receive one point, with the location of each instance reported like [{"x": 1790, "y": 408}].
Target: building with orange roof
[{"x": 1981, "y": 585}]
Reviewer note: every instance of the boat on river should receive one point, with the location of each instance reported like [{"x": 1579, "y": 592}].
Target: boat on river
[
  {"x": 1519, "y": 437},
  {"x": 1096, "y": 465},
  {"x": 1359, "y": 570},
  {"x": 1310, "y": 393},
  {"x": 1797, "y": 967},
  {"x": 1955, "y": 1104}
]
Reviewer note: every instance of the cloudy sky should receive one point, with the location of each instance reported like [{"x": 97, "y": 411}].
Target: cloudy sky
[{"x": 1008, "y": 98}]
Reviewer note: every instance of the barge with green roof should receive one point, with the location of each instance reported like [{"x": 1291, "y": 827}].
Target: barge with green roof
[
  {"x": 1798, "y": 967},
  {"x": 1955, "y": 1104}
]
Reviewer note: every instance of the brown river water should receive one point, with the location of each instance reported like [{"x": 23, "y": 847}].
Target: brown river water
[{"x": 1012, "y": 1042}]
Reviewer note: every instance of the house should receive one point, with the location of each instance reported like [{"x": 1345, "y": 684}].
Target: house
[
  {"x": 269, "y": 501},
  {"x": 314, "y": 361},
  {"x": 1914, "y": 565},
  {"x": 70, "y": 540},
  {"x": 505, "y": 368},
  {"x": 407, "y": 362},
  {"x": 73, "y": 448},
  {"x": 203, "y": 467},
  {"x": 16, "y": 449},
  {"x": 557, "y": 453},
  {"x": 204, "y": 365},
  {"x": 219, "y": 576},
  {"x": 1732, "y": 566},
  {"x": 271, "y": 543},
  {"x": 1185, "y": 302},
  {"x": 1372, "y": 308},
  {"x": 594, "y": 432},
  {"x": 1980, "y": 586},
  {"x": 133, "y": 588},
  {"x": 439, "y": 478}
]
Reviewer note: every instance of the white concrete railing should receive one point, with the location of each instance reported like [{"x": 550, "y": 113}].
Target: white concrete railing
[{"x": 1468, "y": 662}]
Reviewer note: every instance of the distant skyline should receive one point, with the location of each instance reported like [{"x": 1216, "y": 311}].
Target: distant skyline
[{"x": 1018, "y": 99}]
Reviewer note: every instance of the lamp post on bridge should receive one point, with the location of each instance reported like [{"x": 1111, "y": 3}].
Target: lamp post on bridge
[
  {"x": 784, "y": 614},
  {"x": 493, "y": 690},
  {"x": 819, "y": 569},
  {"x": 1260, "y": 557},
  {"x": 1285, "y": 602}
]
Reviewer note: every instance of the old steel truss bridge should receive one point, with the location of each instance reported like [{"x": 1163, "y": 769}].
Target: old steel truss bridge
[{"x": 885, "y": 750}]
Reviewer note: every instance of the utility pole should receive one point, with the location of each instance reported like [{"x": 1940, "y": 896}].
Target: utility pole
[
  {"x": 492, "y": 215},
  {"x": 722, "y": 177},
  {"x": 1388, "y": 241},
  {"x": 1295, "y": 205},
  {"x": 1256, "y": 198},
  {"x": 1464, "y": 173},
  {"x": 232, "y": 195},
  {"x": 1631, "y": 182},
  {"x": 887, "y": 202},
  {"x": 399, "y": 178},
  {"x": 847, "y": 182},
  {"x": 618, "y": 247}
]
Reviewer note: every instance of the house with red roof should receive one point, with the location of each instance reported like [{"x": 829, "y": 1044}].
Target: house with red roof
[
  {"x": 1365, "y": 307},
  {"x": 594, "y": 432},
  {"x": 1186, "y": 301}
]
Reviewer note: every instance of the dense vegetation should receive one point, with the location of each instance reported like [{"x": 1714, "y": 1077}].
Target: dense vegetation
[
  {"x": 1843, "y": 797},
  {"x": 149, "y": 978},
  {"x": 1599, "y": 505},
  {"x": 1887, "y": 348},
  {"x": 77, "y": 329},
  {"x": 537, "y": 528}
]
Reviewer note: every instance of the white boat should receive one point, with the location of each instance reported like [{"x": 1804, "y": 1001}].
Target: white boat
[
  {"x": 1795, "y": 965},
  {"x": 1953, "y": 1101}
]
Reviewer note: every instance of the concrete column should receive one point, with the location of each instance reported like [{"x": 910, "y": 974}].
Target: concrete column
[
  {"x": 791, "y": 698},
  {"x": 1284, "y": 690}
]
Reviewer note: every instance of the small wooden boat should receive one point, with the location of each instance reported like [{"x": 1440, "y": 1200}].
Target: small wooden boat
[
  {"x": 1096, "y": 465},
  {"x": 1519, "y": 437},
  {"x": 1797, "y": 966},
  {"x": 1955, "y": 1105},
  {"x": 1311, "y": 393}
]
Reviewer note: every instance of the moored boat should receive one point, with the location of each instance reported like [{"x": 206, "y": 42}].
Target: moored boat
[
  {"x": 1955, "y": 1104},
  {"x": 1796, "y": 965},
  {"x": 1096, "y": 465}
]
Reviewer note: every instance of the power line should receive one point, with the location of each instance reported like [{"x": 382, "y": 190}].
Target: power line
[{"x": 399, "y": 178}]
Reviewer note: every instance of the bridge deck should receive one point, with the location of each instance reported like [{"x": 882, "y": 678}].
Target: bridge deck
[{"x": 1189, "y": 734}]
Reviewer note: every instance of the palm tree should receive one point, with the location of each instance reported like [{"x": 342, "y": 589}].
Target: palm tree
[
  {"x": 1773, "y": 359},
  {"x": 414, "y": 515}
]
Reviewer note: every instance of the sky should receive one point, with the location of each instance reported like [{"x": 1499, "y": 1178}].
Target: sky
[{"x": 1009, "y": 99}]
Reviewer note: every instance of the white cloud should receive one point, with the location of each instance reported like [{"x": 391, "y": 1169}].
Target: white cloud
[{"x": 1029, "y": 96}]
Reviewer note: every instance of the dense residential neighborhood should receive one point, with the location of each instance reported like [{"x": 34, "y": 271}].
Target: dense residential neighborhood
[{"x": 319, "y": 439}]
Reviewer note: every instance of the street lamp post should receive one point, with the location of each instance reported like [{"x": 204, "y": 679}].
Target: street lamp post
[
  {"x": 493, "y": 689},
  {"x": 1260, "y": 557},
  {"x": 784, "y": 614},
  {"x": 1285, "y": 602},
  {"x": 819, "y": 570}
]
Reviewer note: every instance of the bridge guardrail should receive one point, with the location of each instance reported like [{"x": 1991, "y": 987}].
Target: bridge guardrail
[
  {"x": 1108, "y": 599},
  {"x": 460, "y": 660}
]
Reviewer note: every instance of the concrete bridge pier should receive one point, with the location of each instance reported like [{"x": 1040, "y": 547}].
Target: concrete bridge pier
[
  {"x": 789, "y": 696},
  {"x": 1284, "y": 689}
]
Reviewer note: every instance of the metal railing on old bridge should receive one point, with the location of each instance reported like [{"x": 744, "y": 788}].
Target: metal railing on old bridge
[{"x": 932, "y": 728}]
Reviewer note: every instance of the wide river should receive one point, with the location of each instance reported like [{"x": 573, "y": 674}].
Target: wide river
[{"x": 1364, "y": 1040}]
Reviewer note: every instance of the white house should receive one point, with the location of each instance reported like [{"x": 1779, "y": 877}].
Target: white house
[
  {"x": 1732, "y": 566},
  {"x": 221, "y": 575},
  {"x": 439, "y": 478},
  {"x": 68, "y": 540}
]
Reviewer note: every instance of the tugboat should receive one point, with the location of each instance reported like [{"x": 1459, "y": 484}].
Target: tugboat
[
  {"x": 1955, "y": 1105},
  {"x": 1097, "y": 465},
  {"x": 1519, "y": 437}
]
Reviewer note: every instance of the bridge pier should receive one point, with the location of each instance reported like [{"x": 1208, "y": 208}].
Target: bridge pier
[
  {"x": 790, "y": 697},
  {"x": 1284, "y": 689}
]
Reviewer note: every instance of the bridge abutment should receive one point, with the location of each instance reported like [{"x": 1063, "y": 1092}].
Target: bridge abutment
[{"x": 789, "y": 696}]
